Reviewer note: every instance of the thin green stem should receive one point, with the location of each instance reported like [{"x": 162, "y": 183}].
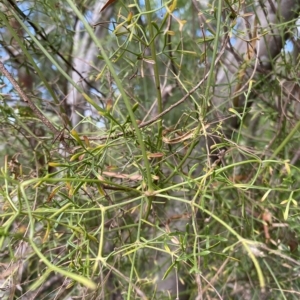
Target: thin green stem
[
  {"x": 214, "y": 55},
  {"x": 156, "y": 72},
  {"x": 6, "y": 176},
  {"x": 122, "y": 91},
  {"x": 136, "y": 249},
  {"x": 85, "y": 281},
  {"x": 243, "y": 241},
  {"x": 286, "y": 140},
  {"x": 101, "y": 241}
]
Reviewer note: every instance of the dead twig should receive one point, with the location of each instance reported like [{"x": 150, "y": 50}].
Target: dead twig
[{"x": 36, "y": 111}]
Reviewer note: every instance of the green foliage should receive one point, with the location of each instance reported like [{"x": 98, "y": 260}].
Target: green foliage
[{"x": 130, "y": 199}]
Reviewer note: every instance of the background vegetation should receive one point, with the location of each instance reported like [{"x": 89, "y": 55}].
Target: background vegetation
[{"x": 107, "y": 190}]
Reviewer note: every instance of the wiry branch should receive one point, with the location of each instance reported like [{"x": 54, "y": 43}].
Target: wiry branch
[{"x": 36, "y": 111}]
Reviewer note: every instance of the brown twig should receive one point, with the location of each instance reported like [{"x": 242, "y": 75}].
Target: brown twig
[{"x": 36, "y": 111}]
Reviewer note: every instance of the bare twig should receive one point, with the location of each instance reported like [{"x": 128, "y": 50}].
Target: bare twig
[{"x": 36, "y": 111}]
